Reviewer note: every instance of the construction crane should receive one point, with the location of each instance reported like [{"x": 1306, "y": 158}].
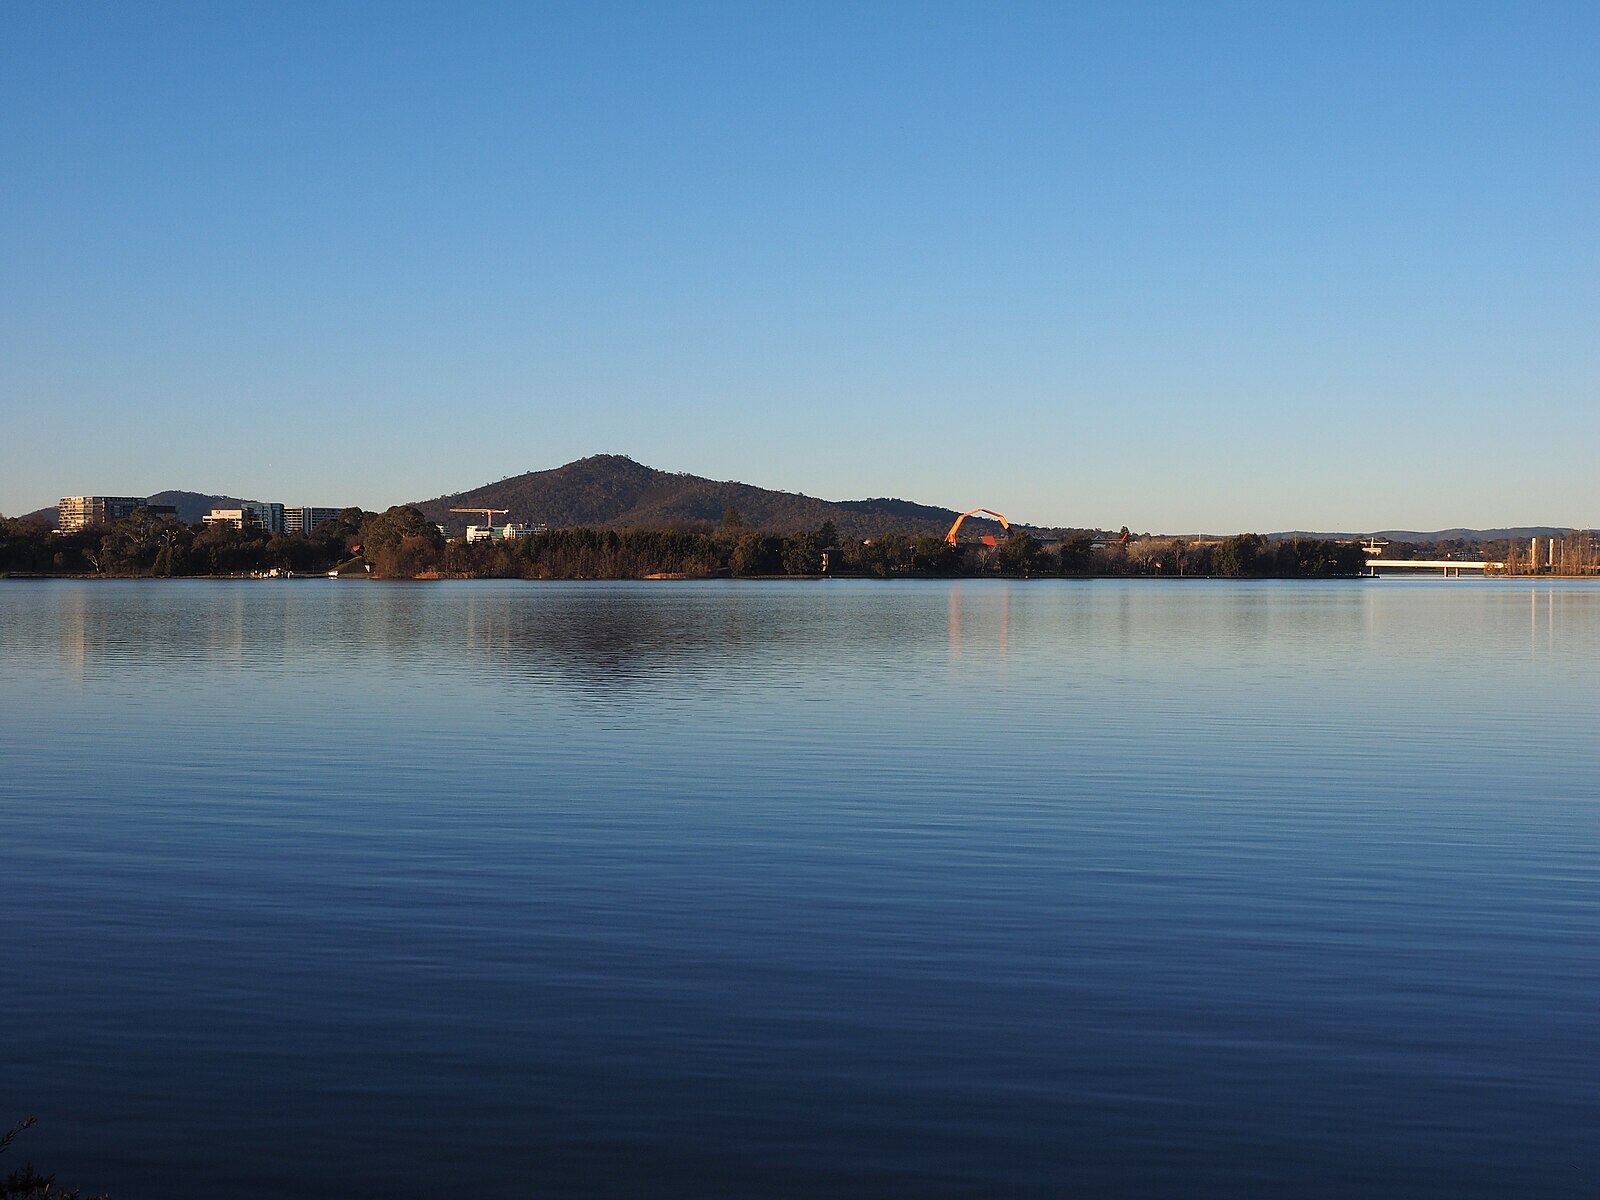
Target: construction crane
[
  {"x": 987, "y": 539},
  {"x": 488, "y": 513},
  {"x": 488, "y": 521}
]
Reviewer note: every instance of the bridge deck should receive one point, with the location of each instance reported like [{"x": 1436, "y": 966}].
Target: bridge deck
[{"x": 1432, "y": 564}]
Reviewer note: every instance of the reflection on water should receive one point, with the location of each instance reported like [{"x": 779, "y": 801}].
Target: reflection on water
[
  {"x": 608, "y": 634},
  {"x": 982, "y": 888},
  {"x": 988, "y": 624}
]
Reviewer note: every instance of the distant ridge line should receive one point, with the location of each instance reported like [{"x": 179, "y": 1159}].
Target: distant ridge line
[
  {"x": 613, "y": 490},
  {"x": 1437, "y": 535}
]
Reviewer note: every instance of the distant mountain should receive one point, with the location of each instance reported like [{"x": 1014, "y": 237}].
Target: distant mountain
[
  {"x": 192, "y": 506},
  {"x": 614, "y": 491},
  {"x": 1438, "y": 535}
]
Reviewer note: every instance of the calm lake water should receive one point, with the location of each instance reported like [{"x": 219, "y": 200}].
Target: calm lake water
[{"x": 802, "y": 889}]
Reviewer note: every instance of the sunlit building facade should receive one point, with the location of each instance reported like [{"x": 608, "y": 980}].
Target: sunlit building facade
[
  {"x": 79, "y": 512},
  {"x": 305, "y": 519}
]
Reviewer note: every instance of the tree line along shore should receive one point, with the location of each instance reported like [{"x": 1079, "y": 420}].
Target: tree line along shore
[{"x": 403, "y": 544}]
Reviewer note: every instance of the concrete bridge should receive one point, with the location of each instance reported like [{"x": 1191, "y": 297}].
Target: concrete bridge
[{"x": 1450, "y": 566}]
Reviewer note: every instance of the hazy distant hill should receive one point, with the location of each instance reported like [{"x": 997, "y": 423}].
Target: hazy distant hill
[
  {"x": 1439, "y": 535},
  {"x": 191, "y": 506},
  {"x": 612, "y": 490}
]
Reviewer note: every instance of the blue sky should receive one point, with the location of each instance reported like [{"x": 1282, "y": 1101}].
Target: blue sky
[{"x": 1179, "y": 267}]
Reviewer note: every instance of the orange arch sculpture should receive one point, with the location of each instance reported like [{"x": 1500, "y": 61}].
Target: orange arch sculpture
[{"x": 988, "y": 539}]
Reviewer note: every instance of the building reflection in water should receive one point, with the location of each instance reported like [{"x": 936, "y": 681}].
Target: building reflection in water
[
  {"x": 985, "y": 606},
  {"x": 74, "y": 623}
]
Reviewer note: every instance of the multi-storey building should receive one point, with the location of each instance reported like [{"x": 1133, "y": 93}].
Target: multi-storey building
[
  {"x": 304, "y": 519},
  {"x": 252, "y": 513},
  {"x": 266, "y": 516},
  {"x": 79, "y": 512}
]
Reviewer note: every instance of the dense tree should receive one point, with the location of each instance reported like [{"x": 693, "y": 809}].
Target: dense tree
[
  {"x": 882, "y": 556},
  {"x": 1109, "y": 558},
  {"x": 1312, "y": 558},
  {"x": 597, "y": 554},
  {"x": 1236, "y": 556},
  {"x": 1178, "y": 557},
  {"x": 756, "y": 554},
  {"x": 144, "y": 542},
  {"x": 1017, "y": 553},
  {"x": 932, "y": 555},
  {"x": 903, "y": 554},
  {"x": 801, "y": 554},
  {"x": 29, "y": 546},
  {"x": 341, "y": 533},
  {"x": 222, "y": 549},
  {"x": 401, "y": 543}
]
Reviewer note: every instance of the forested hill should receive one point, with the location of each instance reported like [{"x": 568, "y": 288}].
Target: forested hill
[{"x": 613, "y": 491}]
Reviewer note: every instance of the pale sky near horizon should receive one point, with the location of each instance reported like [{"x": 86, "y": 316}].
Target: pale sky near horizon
[{"x": 1180, "y": 267}]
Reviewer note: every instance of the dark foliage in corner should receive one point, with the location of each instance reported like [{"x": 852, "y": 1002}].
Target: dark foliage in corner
[{"x": 26, "y": 1183}]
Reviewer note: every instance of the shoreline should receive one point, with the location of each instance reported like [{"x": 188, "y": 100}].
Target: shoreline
[{"x": 682, "y": 577}]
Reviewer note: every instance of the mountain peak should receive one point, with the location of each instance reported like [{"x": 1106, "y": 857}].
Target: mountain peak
[{"x": 614, "y": 490}]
